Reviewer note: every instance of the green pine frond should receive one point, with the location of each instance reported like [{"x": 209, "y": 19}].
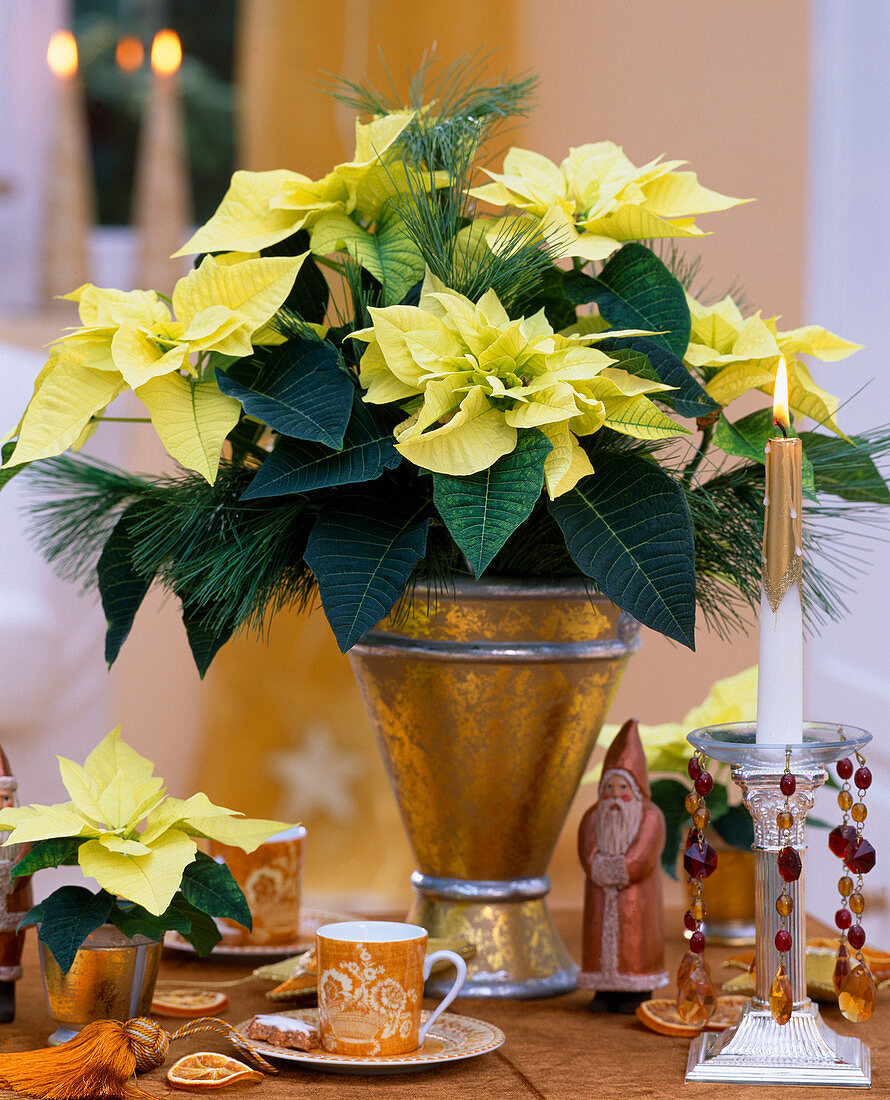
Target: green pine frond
[
  {"x": 457, "y": 95},
  {"x": 235, "y": 563}
]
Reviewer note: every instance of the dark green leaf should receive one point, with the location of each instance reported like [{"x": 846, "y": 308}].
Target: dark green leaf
[
  {"x": 689, "y": 397},
  {"x": 55, "y": 852},
  {"x": 735, "y": 827},
  {"x": 295, "y": 466},
  {"x": 636, "y": 290},
  {"x": 627, "y": 526},
  {"x": 309, "y": 294},
  {"x": 9, "y": 473},
  {"x": 718, "y": 800},
  {"x": 210, "y": 887},
  {"x": 69, "y": 915},
  {"x": 121, "y": 587},
  {"x": 669, "y": 795},
  {"x": 301, "y": 391},
  {"x": 33, "y": 916},
  {"x": 206, "y": 637},
  {"x": 133, "y": 920},
  {"x": 362, "y": 550},
  {"x": 818, "y": 822},
  {"x": 845, "y": 469},
  {"x": 547, "y": 294},
  {"x": 748, "y": 437},
  {"x": 634, "y": 362},
  {"x": 203, "y": 933},
  {"x": 482, "y": 510}
]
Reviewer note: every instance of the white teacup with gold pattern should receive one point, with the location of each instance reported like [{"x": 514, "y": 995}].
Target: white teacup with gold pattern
[
  {"x": 370, "y": 985},
  {"x": 271, "y": 877}
]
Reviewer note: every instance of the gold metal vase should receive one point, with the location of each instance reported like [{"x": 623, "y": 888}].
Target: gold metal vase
[{"x": 487, "y": 701}]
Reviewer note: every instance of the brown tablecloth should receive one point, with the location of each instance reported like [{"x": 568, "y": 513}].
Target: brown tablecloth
[{"x": 555, "y": 1048}]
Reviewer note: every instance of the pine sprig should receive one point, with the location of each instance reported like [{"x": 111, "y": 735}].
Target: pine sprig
[
  {"x": 456, "y": 95},
  {"x": 234, "y": 563}
]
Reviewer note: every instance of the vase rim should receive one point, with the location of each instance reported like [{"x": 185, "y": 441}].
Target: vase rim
[{"x": 510, "y": 588}]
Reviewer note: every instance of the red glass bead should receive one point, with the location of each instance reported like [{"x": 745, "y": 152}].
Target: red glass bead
[
  {"x": 697, "y": 942},
  {"x": 693, "y": 767},
  {"x": 689, "y": 920},
  {"x": 839, "y": 838},
  {"x": 845, "y": 768},
  {"x": 862, "y": 778},
  {"x": 843, "y": 919},
  {"x": 859, "y": 856},
  {"x": 787, "y": 784},
  {"x": 704, "y": 783},
  {"x": 783, "y": 940},
  {"x": 699, "y": 859},
  {"x": 856, "y": 936},
  {"x": 789, "y": 864}
]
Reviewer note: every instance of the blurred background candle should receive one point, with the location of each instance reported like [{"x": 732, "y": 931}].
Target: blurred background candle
[
  {"x": 780, "y": 658},
  {"x": 70, "y": 199},
  {"x": 162, "y": 199}
]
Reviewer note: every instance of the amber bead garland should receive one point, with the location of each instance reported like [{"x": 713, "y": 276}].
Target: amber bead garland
[
  {"x": 781, "y": 1001},
  {"x": 696, "y": 995},
  {"x": 854, "y": 985}
]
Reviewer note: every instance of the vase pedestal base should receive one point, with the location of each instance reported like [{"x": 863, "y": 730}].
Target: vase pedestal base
[
  {"x": 519, "y": 953},
  {"x": 758, "y": 1051}
]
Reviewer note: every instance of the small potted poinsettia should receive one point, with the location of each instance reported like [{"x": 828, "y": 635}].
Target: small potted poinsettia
[{"x": 140, "y": 847}]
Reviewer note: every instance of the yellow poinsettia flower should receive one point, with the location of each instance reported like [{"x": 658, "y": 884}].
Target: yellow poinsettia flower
[
  {"x": 597, "y": 198},
  {"x": 262, "y": 208},
  {"x": 736, "y": 354},
  {"x": 112, "y": 793},
  {"x": 470, "y": 377},
  {"x": 130, "y": 340}
]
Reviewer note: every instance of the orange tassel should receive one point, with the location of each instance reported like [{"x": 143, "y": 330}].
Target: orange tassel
[
  {"x": 101, "y": 1061},
  {"x": 98, "y": 1062}
]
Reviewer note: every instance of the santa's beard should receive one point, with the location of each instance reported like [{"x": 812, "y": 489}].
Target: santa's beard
[{"x": 617, "y": 823}]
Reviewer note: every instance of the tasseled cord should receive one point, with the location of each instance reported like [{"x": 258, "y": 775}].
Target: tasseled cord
[{"x": 100, "y": 1062}]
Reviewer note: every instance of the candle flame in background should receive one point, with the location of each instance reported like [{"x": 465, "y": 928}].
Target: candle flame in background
[
  {"x": 166, "y": 53},
  {"x": 61, "y": 54},
  {"x": 129, "y": 53},
  {"x": 781, "y": 415}
]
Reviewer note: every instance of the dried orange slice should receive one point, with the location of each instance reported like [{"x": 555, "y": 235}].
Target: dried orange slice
[
  {"x": 189, "y": 1002},
  {"x": 207, "y": 1070},
  {"x": 661, "y": 1015}
]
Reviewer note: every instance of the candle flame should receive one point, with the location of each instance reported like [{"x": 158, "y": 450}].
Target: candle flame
[
  {"x": 129, "y": 53},
  {"x": 166, "y": 53},
  {"x": 61, "y": 54},
  {"x": 781, "y": 415}
]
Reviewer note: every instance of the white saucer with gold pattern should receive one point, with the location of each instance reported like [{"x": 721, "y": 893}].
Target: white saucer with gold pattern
[{"x": 451, "y": 1039}]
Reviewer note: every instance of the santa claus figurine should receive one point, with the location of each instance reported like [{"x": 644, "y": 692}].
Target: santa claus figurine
[
  {"x": 15, "y": 900},
  {"x": 620, "y": 841}
]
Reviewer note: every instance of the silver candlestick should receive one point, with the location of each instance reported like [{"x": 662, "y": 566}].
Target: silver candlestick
[{"x": 758, "y": 1050}]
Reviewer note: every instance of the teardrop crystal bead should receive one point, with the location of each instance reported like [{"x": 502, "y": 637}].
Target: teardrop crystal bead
[
  {"x": 781, "y": 1002},
  {"x": 697, "y": 997},
  {"x": 688, "y": 963},
  {"x": 858, "y": 994},
  {"x": 841, "y": 968}
]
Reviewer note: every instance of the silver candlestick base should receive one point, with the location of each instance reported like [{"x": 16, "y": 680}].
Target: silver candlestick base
[{"x": 758, "y": 1050}]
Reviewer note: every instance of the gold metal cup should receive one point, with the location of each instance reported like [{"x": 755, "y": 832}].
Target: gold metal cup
[{"x": 112, "y": 978}]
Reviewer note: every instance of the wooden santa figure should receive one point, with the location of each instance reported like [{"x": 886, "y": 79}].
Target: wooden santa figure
[{"x": 620, "y": 841}]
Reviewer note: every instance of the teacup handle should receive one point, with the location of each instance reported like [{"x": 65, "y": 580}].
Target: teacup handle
[{"x": 461, "y": 968}]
